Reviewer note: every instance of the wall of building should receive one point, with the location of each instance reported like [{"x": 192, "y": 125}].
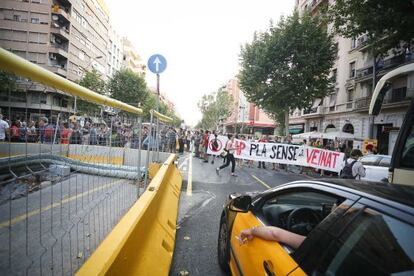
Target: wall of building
[{"x": 349, "y": 103}]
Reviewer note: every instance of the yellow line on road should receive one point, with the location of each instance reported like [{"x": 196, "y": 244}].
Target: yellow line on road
[
  {"x": 41, "y": 210},
  {"x": 260, "y": 181},
  {"x": 190, "y": 176}
]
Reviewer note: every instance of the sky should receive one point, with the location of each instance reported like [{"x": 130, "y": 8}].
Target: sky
[{"x": 201, "y": 41}]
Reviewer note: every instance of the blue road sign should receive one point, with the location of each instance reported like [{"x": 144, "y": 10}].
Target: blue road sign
[{"x": 157, "y": 64}]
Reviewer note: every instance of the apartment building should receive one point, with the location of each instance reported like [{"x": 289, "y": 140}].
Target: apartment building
[
  {"x": 115, "y": 53},
  {"x": 246, "y": 117},
  {"x": 346, "y": 109},
  {"x": 131, "y": 59},
  {"x": 38, "y": 31},
  {"x": 89, "y": 38},
  {"x": 66, "y": 37}
]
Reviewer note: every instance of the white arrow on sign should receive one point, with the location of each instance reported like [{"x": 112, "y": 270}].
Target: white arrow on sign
[{"x": 157, "y": 63}]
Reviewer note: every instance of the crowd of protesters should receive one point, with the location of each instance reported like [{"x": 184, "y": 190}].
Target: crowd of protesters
[
  {"x": 169, "y": 139},
  {"x": 71, "y": 131}
]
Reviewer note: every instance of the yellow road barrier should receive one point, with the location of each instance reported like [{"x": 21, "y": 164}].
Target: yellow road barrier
[
  {"x": 162, "y": 117},
  {"x": 19, "y": 66},
  {"x": 153, "y": 169},
  {"x": 142, "y": 243}
]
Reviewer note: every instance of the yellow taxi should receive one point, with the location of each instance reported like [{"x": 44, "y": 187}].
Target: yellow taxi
[{"x": 351, "y": 228}]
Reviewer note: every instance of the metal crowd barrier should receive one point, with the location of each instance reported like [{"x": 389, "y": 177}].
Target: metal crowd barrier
[{"x": 61, "y": 196}]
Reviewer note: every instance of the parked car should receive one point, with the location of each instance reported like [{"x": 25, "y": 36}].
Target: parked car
[
  {"x": 376, "y": 167},
  {"x": 351, "y": 228}
]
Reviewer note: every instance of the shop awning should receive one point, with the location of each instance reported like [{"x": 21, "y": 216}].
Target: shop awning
[
  {"x": 338, "y": 135},
  {"x": 308, "y": 135}
]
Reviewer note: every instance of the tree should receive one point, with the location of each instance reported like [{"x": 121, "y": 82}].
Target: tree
[
  {"x": 288, "y": 66},
  {"x": 214, "y": 107},
  {"x": 128, "y": 87},
  {"x": 149, "y": 103},
  {"x": 388, "y": 24},
  {"x": 91, "y": 80},
  {"x": 7, "y": 81}
]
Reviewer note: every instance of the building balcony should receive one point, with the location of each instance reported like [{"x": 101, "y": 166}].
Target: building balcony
[
  {"x": 62, "y": 32},
  {"x": 313, "y": 112},
  {"x": 362, "y": 104},
  {"x": 61, "y": 13},
  {"x": 57, "y": 51},
  {"x": 59, "y": 70},
  {"x": 383, "y": 67},
  {"x": 316, "y": 4},
  {"x": 395, "y": 61},
  {"x": 360, "y": 44},
  {"x": 364, "y": 74}
]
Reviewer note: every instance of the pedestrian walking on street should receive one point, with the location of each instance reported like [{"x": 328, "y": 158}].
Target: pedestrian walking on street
[
  {"x": 230, "y": 148},
  {"x": 262, "y": 163},
  {"x": 214, "y": 146},
  {"x": 353, "y": 168},
  {"x": 205, "y": 145}
]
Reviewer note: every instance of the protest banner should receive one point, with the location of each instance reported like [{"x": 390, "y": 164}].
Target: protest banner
[{"x": 290, "y": 154}]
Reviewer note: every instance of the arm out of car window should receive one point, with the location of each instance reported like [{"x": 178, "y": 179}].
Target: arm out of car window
[{"x": 272, "y": 233}]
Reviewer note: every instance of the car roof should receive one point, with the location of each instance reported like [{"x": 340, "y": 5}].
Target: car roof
[
  {"x": 377, "y": 155},
  {"x": 393, "y": 193}
]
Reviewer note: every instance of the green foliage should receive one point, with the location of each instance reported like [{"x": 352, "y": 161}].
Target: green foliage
[
  {"x": 128, "y": 87},
  {"x": 91, "y": 80},
  {"x": 7, "y": 81},
  {"x": 149, "y": 103},
  {"x": 389, "y": 24},
  {"x": 214, "y": 107},
  {"x": 288, "y": 66}
]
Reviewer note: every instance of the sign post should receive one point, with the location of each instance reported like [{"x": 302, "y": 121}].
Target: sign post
[{"x": 157, "y": 64}]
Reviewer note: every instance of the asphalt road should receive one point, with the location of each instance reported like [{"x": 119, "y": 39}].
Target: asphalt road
[{"x": 199, "y": 213}]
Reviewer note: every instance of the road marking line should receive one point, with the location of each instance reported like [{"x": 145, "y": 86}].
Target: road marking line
[
  {"x": 182, "y": 164},
  {"x": 260, "y": 181},
  {"x": 37, "y": 211},
  {"x": 190, "y": 176}
]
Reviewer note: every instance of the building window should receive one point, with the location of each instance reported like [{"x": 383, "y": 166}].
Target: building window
[
  {"x": 39, "y": 98},
  {"x": 35, "y": 20},
  {"x": 20, "y": 36},
  {"x": 84, "y": 23},
  {"x": 350, "y": 95},
  {"x": 81, "y": 55},
  {"x": 332, "y": 101},
  {"x": 80, "y": 72},
  {"x": 18, "y": 97},
  {"x": 21, "y": 54},
  {"x": 369, "y": 89},
  {"x": 334, "y": 75},
  {"x": 353, "y": 43},
  {"x": 16, "y": 17},
  {"x": 352, "y": 70}
]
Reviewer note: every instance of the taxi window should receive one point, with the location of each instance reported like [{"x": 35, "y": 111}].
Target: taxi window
[
  {"x": 276, "y": 210},
  {"x": 407, "y": 158},
  {"x": 373, "y": 244}
]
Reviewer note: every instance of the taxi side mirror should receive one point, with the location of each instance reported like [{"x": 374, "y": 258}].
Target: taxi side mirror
[{"x": 241, "y": 204}]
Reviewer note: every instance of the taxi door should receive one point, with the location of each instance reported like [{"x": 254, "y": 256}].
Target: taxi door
[{"x": 258, "y": 257}]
